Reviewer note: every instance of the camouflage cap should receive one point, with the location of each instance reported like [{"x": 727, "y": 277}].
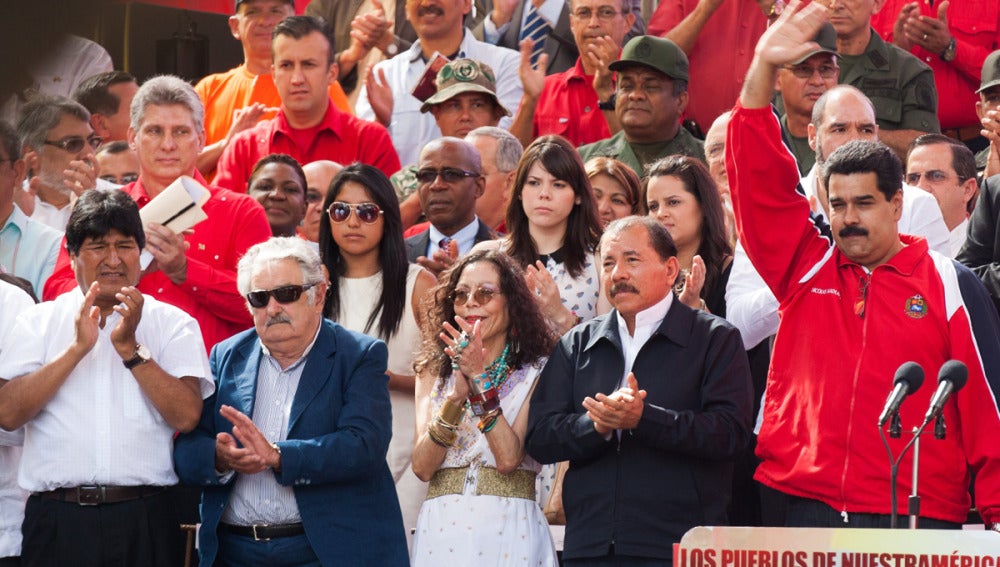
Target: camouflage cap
[
  {"x": 991, "y": 71},
  {"x": 826, "y": 37},
  {"x": 464, "y": 76},
  {"x": 657, "y": 53}
]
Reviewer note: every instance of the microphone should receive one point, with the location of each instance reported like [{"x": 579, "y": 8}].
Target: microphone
[
  {"x": 909, "y": 377},
  {"x": 951, "y": 378}
]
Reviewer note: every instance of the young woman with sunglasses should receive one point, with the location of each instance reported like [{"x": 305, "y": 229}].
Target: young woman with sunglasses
[
  {"x": 374, "y": 290},
  {"x": 552, "y": 230},
  {"x": 485, "y": 343}
]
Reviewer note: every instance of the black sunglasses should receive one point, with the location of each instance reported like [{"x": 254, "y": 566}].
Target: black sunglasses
[
  {"x": 284, "y": 294},
  {"x": 448, "y": 174},
  {"x": 73, "y": 144},
  {"x": 340, "y": 211},
  {"x": 482, "y": 295}
]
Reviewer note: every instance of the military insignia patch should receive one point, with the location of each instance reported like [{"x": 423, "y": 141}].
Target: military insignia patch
[{"x": 916, "y": 307}]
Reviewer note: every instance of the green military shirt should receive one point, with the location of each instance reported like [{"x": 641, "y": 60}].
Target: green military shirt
[
  {"x": 899, "y": 85},
  {"x": 804, "y": 155},
  {"x": 619, "y": 148}
]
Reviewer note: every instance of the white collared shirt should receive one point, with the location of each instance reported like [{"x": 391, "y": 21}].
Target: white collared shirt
[
  {"x": 550, "y": 10},
  {"x": 258, "y": 498},
  {"x": 100, "y": 428},
  {"x": 646, "y": 322},
  {"x": 410, "y": 129},
  {"x": 957, "y": 235},
  {"x": 466, "y": 237},
  {"x": 14, "y": 301}
]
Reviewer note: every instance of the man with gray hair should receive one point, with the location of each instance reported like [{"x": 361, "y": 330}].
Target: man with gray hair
[
  {"x": 300, "y": 420},
  {"x": 58, "y": 146},
  {"x": 194, "y": 271},
  {"x": 500, "y": 151}
]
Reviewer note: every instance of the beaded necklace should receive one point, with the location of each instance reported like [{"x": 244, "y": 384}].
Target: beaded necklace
[{"x": 498, "y": 370}]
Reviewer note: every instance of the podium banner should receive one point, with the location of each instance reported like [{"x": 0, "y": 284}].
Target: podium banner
[{"x": 840, "y": 547}]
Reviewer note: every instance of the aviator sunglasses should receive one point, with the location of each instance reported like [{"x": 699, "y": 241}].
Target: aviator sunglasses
[
  {"x": 340, "y": 211},
  {"x": 482, "y": 295},
  {"x": 73, "y": 144},
  {"x": 284, "y": 294}
]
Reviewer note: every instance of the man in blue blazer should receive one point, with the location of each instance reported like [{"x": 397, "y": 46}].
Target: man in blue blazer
[{"x": 291, "y": 448}]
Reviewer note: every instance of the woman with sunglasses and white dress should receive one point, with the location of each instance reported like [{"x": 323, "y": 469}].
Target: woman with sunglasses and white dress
[
  {"x": 485, "y": 343},
  {"x": 374, "y": 290}
]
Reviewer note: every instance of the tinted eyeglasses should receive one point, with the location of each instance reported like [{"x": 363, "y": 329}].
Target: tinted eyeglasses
[
  {"x": 448, "y": 174},
  {"x": 482, "y": 295},
  {"x": 284, "y": 294},
  {"x": 806, "y": 71},
  {"x": 933, "y": 176},
  {"x": 73, "y": 144},
  {"x": 340, "y": 211},
  {"x": 123, "y": 180}
]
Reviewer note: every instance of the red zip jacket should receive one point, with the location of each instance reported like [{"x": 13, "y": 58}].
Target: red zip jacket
[{"x": 843, "y": 334}]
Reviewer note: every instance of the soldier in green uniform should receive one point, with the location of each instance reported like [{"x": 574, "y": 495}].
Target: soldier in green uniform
[
  {"x": 650, "y": 98},
  {"x": 899, "y": 85}
]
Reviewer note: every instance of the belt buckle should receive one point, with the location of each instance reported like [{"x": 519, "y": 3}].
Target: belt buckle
[
  {"x": 255, "y": 536},
  {"x": 91, "y": 495}
]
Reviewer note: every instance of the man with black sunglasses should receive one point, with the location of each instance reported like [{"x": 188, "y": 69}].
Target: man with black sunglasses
[
  {"x": 449, "y": 180},
  {"x": 292, "y": 446},
  {"x": 58, "y": 146}
]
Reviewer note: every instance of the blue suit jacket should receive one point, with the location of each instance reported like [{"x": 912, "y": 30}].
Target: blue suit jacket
[{"x": 334, "y": 457}]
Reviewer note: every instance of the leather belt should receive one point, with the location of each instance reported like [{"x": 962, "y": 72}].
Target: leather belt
[
  {"x": 264, "y": 532},
  {"x": 100, "y": 494},
  {"x": 963, "y": 134}
]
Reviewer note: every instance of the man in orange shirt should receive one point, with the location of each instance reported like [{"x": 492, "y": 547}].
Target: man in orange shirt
[{"x": 242, "y": 96}]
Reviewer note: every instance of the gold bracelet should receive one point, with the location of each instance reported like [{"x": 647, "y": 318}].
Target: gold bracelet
[
  {"x": 440, "y": 436},
  {"x": 451, "y": 413}
]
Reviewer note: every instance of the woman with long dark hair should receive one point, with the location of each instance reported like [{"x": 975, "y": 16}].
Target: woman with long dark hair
[
  {"x": 616, "y": 188},
  {"x": 374, "y": 290},
  {"x": 485, "y": 343},
  {"x": 681, "y": 194}
]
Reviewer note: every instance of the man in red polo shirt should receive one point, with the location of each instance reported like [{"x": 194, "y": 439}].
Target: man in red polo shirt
[
  {"x": 196, "y": 271},
  {"x": 309, "y": 127},
  {"x": 577, "y": 103}
]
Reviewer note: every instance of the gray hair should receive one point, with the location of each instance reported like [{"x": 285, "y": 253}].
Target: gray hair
[
  {"x": 166, "y": 90},
  {"x": 509, "y": 148},
  {"x": 43, "y": 114},
  {"x": 277, "y": 249}
]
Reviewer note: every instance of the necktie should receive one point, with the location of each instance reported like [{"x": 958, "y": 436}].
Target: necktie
[{"x": 535, "y": 28}]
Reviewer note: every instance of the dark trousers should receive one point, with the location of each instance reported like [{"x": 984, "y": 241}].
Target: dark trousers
[
  {"x": 10, "y": 562},
  {"x": 806, "y": 513},
  {"x": 617, "y": 561},
  {"x": 241, "y": 551},
  {"x": 137, "y": 532}
]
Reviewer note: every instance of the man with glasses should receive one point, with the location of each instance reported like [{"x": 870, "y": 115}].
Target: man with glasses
[
  {"x": 653, "y": 395},
  {"x": 650, "y": 99},
  {"x": 449, "y": 180},
  {"x": 28, "y": 248},
  {"x": 945, "y": 168},
  {"x": 58, "y": 146},
  {"x": 291, "y": 448},
  {"x": 576, "y": 103},
  {"x": 799, "y": 86},
  {"x": 118, "y": 162},
  {"x": 196, "y": 270},
  {"x": 101, "y": 379}
]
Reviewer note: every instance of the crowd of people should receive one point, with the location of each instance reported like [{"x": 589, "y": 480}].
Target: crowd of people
[{"x": 471, "y": 270}]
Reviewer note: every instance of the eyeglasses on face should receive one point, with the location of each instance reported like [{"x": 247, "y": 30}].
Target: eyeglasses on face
[
  {"x": 807, "y": 71},
  {"x": 482, "y": 295},
  {"x": 933, "y": 176},
  {"x": 605, "y": 13},
  {"x": 447, "y": 174},
  {"x": 73, "y": 144},
  {"x": 340, "y": 211},
  {"x": 123, "y": 180},
  {"x": 284, "y": 294}
]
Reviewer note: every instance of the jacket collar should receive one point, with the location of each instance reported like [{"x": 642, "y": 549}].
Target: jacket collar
[
  {"x": 676, "y": 327},
  {"x": 904, "y": 262}
]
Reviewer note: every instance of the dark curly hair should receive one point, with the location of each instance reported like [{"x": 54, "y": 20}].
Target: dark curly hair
[{"x": 530, "y": 336}]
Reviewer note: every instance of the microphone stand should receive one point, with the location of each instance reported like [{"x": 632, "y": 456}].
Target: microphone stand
[{"x": 914, "y": 499}]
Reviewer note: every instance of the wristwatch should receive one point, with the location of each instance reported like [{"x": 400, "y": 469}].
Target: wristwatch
[
  {"x": 142, "y": 356},
  {"x": 948, "y": 55},
  {"x": 608, "y": 104}
]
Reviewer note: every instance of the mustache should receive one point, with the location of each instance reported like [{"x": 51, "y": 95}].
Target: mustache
[
  {"x": 277, "y": 320},
  {"x": 622, "y": 287},
  {"x": 852, "y": 231},
  {"x": 430, "y": 9}
]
